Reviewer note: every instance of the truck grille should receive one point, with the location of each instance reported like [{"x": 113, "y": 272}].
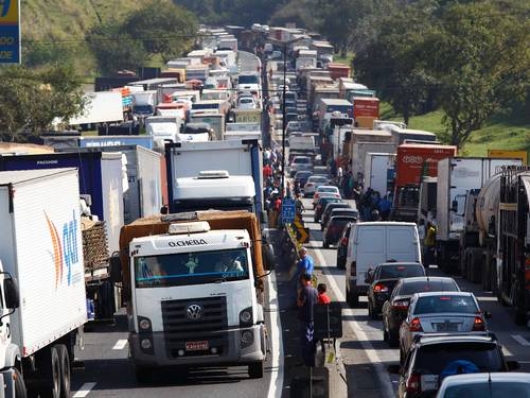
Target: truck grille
[{"x": 194, "y": 320}]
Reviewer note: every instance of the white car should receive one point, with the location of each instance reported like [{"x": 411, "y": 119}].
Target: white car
[
  {"x": 300, "y": 163},
  {"x": 313, "y": 183},
  {"x": 325, "y": 190},
  {"x": 247, "y": 103},
  {"x": 491, "y": 384},
  {"x": 440, "y": 312}
]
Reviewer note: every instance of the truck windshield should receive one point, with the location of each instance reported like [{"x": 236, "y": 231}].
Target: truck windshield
[{"x": 191, "y": 268}]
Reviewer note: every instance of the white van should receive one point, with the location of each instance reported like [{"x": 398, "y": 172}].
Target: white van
[{"x": 372, "y": 243}]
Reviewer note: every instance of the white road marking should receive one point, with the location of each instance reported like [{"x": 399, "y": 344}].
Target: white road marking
[
  {"x": 84, "y": 390},
  {"x": 521, "y": 340},
  {"x": 276, "y": 380},
  {"x": 120, "y": 344},
  {"x": 356, "y": 328}
]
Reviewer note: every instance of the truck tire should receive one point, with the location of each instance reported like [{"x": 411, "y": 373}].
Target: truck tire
[
  {"x": 51, "y": 370},
  {"x": 64, "y": 361},
  {"x": 256, "y": 369},
  {"x": 20, "y": 386}
]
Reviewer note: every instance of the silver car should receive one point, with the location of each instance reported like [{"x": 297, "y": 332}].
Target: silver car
[
  {"x": 491, "y": 384},
  {"x": 441, "y": 312}
]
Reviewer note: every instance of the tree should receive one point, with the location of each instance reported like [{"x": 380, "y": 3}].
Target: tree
[
  {"x": 31, "y": 99},
  {"x": 392, "y": 62},
  {"x": 114, "y": 49},
  {"x": 481, "y": 61},
  {"x": 164, "y": 29}
]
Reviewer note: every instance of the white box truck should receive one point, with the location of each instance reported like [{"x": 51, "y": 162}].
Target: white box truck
[
  {"x": 379, "y": 171},
  {"x": 456, "y": 177},
  {"x": 41, "y": 247}
]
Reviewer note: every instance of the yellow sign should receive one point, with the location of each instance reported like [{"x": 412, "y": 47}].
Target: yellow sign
[
  {"x": 9, "y": 12},
  {"x": 303, "y": 233},
  {"x": 508, "y": 154}
]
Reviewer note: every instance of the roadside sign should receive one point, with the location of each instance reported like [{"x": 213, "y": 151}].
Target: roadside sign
[
  {"x": 9, "y": 32},
  {"x": 302, "y": 233},
  {"x": 288, "y": 211}
]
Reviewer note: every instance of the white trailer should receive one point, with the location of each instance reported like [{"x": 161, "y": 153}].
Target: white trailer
[
  {"x": 378, "y": 171},
  {"x": 101, "y": 107},
  {"x": 42, "y": 248},
  {"x": 456, "y": 177}
]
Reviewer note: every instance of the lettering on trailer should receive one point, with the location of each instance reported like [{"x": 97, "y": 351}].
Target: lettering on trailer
[
  {"x": 412, "y": 159},
  {"x": 65, "y": 248},
  {"x": 191, "y": 242}
]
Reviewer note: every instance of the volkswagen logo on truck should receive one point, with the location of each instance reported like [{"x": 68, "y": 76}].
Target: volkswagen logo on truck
[
  {"x": 194, "y": 312},
  {"x": 412, "y": 159}
]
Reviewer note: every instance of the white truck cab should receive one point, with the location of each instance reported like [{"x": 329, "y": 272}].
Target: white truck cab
[{"x": 187, "y": 310}]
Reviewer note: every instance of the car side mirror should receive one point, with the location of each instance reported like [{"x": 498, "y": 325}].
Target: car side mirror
[
  {"x": 367, "y": 278},
  {"x": 487, "y": 315}
]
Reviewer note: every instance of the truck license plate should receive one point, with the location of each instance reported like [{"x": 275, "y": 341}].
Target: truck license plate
[{"x": 196, "y": 345}]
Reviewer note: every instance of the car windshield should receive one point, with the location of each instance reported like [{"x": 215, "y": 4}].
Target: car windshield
[
  {"x": 428, "y": 286},
  {"x": 432, "y": 359},
  {"x": 401, "y": 271},
  {"x": 327, "y": 190},
  {"x": 445, "y": 303},
  {"x": 487, "y": 389},
  {"x": 318, "y": 180}
]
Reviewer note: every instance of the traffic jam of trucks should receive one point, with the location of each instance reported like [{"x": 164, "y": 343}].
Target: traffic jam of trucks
[{"x": 141, "y": 223}]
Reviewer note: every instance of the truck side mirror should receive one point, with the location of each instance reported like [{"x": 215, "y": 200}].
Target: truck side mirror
[
  {"x": 454, "y": 206},
  {"x": 115, "y": 269},
  {"x": 268, "y": 256},
  {"x": 11, "y": 293}
]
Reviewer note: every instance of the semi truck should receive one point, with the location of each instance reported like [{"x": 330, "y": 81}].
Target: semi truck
[
  {"x": 456, "y": 177},
  {"x": 215, "y": 120},
  {"x": 41, "y": 248},
  {"x": 413, "y": 162},
  {"x": 184, "y": 311}
]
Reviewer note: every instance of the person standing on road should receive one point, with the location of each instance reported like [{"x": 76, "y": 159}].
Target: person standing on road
[
  {"x": 307, "y": 299},
  {"x": 429, "y": 244},
  {"x": 306, "y": 264},
  {"x": 323, "y": 297}
]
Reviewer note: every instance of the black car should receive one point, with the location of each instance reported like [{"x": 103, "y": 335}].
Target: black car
[
  {"x": 334, "y": 229},
  {"x": 321, "y": 204},
  {"x": 435, "y": 356},
  {"x": 333, "y": 209},
  {"x": 382, "y": 280},
  {"x": 301, "y": 177},
  {"x": 342, "y": 246},
  {"x": 396, "y": 307}
]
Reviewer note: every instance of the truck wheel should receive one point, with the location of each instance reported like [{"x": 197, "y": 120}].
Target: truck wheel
[
  {"x": 20, "y": 386},
  {"x": 143, "y": 374},
  {"x": 255, "y": 370},
  {"x": 51, "y": 370},
  {"x": 64, "y": 361},
  {"x": 325, "y": 244}
]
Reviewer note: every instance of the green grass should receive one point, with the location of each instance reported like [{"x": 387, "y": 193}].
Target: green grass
[{"x": 500, "y": 133}]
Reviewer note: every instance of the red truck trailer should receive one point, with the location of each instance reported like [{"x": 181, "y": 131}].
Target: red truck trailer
[{"x": 413, "y": 162}]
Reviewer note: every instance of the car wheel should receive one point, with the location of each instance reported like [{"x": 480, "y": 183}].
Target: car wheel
[
  {"x": 353, "y": 300},
  {"x": 341, "y": 264},
  {"x": 371, "y": 312},
  {"x": 385, "y": 331},
  {"x": 393, "y": 338},
  {"x": 325, "y": 244}
]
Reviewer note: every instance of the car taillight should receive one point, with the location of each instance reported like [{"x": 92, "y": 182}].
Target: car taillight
[
  {"x": 413, "y": 383},
  {"x": 415, "y": 325},
  {"x": 344, "y": 241},
  {"x": 478, "y": 325},
  {"x": 380, "y": 288},
  {"x": 400, "y": 305}
]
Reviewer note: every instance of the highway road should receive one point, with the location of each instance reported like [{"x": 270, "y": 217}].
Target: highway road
[{"x": 364, "y": 353}]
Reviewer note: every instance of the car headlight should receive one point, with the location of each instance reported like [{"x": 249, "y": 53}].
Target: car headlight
[
  {"x": 245, "y": 316},
  {"x": 146, "y": 344},
  {"x": 144, "y": 324}
]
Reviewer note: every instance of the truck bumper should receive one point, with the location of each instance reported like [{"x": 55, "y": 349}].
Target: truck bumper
[{"x": 229, "y": 347}]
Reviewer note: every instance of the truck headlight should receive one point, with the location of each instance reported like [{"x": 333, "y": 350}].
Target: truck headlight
[
  {"x": 245, "y": 316},
  {"x": 145, "y": 324},
  {"x": 247, "y": 338},
  {"x": 146, "y": 344}
]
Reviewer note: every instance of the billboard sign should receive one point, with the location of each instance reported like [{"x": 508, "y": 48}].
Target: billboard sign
[{"x": 9, "y": 32}]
